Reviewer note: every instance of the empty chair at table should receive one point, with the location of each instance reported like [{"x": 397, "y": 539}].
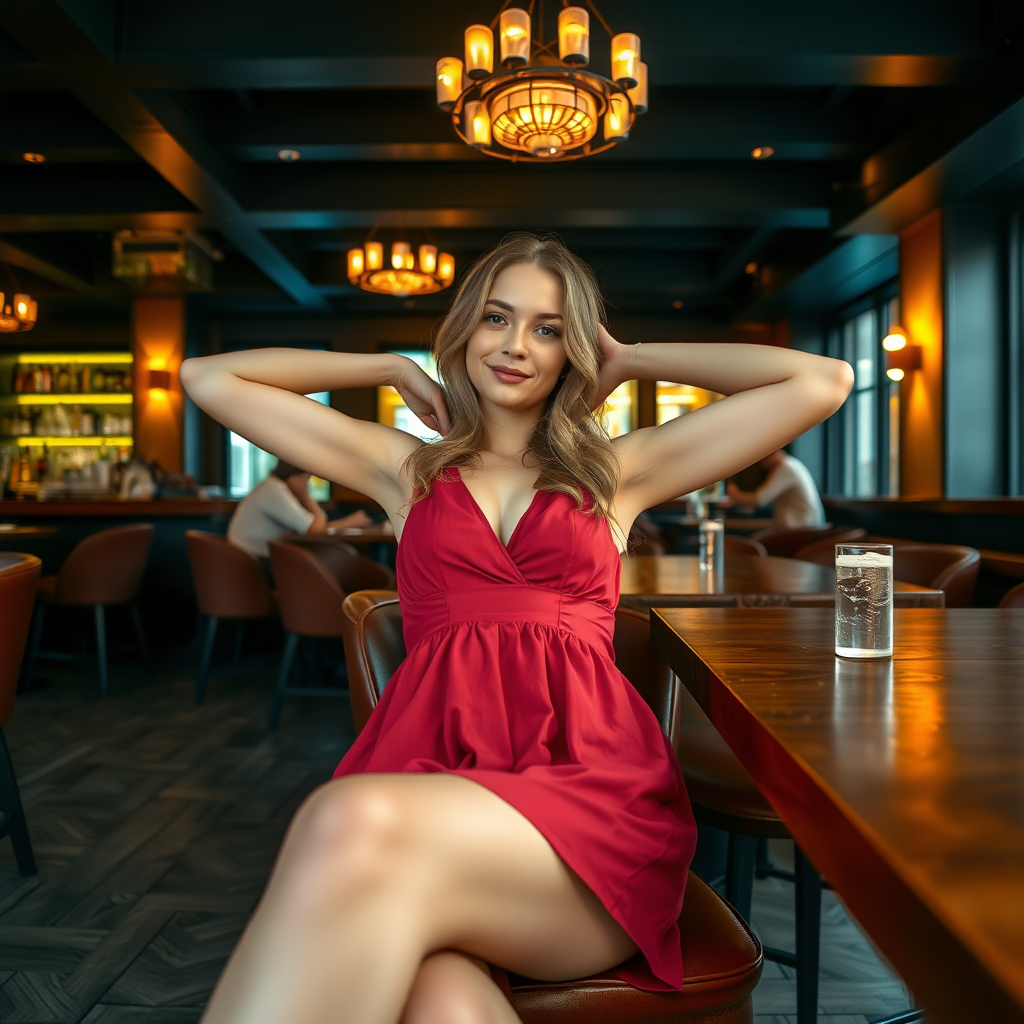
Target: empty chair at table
[
  {"x": 19, "y": 577},
  {"x": 1013, "y": 598},
  {"x": 721, "y": 958},
  {"x": 736, "y": 545},
  {"x": 103, "y": 570},
  {"x": 230, "y": 584},
  {"x": 352, "y": 569},
  {"x": 784, "y": 542}
]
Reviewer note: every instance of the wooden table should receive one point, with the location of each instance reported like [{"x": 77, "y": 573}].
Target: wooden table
[
  {"x": 902, "y": 779},
  {"x": 12, "y": 530},
  {"x": 749, "y": 582},
  {"x": 378, "y": 533},
  {"x": 733, "y": 524}
]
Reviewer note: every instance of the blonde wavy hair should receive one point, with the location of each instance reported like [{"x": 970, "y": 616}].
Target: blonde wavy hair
[{"x": 569, "y": 445}]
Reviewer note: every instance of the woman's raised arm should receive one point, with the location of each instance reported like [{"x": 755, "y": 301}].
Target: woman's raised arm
[
  {"x": 260, "y": 394},
  {"x": 773, "y": 395}
]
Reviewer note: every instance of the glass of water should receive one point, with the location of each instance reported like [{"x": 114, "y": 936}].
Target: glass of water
[
  {"x": 712, "y": 544},
  {"x": 864, "y": 600}
]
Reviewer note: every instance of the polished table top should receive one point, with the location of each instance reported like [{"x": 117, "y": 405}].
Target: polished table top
[
  {"x": 749, "y": 581},
  {"x": 13, "y": 530},
  {"x": 902, "y": 779}
]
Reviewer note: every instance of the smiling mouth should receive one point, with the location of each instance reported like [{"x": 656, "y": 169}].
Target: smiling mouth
[{"x": 507, "y": 375}]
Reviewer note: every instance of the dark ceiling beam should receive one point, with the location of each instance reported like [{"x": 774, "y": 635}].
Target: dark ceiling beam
[
  {"x": 153, "y": 221},
  {"x": 735, "y": 261},
  {"x": 48, "y": 30},
  {"x": 35, "y": 264},
  {"x": 906, "y": 185}
]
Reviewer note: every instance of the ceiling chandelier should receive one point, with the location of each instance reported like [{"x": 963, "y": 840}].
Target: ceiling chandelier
[
  {"x": 542, "y": 107},
  {"x": 409, "y": 273},
  {"x": 20, "y": 313}
]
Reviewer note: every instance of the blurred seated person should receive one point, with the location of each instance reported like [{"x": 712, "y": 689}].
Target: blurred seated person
[
  {"x": 788, "y": 487},
  {"x": 282, "y": 504}
]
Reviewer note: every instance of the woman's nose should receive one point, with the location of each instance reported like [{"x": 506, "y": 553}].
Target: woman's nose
[{"x": 515, "y": 343}]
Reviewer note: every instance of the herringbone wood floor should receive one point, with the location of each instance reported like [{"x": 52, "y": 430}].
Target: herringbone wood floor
[{"x": 155, "y": 824}]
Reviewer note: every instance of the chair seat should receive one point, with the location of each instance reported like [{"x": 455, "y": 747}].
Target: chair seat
[
  {"x": 720, "y": 790},
  {"x": 47, "y": 590},
  {"x": 721, "y": 960}
]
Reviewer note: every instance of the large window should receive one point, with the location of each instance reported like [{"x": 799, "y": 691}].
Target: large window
[
  {"x": 864, "y": 435},
  {"x": 249, "y": 465}
]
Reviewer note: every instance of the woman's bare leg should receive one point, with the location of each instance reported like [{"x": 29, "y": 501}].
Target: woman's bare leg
[
  {"x": 377, "y": 873},
  {"x": 453, "y": 988}
]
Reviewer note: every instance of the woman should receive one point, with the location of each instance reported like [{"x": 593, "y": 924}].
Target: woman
[{"x": 512, "y": 801}]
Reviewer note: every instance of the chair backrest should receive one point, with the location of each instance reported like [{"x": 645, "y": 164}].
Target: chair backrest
[
  {"x": 353, "y": 570},
  {"x": 783, "y": 542},
  {"x": 823, "y": 552},
  {"x": 308, "y": 596},
  {"x": 230, "y": 584},
  {"x": 1013, "y": 598},
  {"x": 736, "y": 545},
  {"x": 374, "y": 647},
  {"x": 947, "y": 567},
  {"x": 107, "y": 567},
  {"x": 19, "y": 576}
]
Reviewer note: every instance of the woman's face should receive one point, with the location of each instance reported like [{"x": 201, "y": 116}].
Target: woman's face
[{"x": 515, "y": 355}]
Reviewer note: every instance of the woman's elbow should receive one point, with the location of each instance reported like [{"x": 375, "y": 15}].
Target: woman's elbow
[{"x": 837, "y": 383}]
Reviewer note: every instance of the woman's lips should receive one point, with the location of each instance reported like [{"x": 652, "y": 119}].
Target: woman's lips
[{"x": 507, "y": 376}]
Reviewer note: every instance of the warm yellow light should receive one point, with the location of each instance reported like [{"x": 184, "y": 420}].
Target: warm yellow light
[
  {"x": 356, "y": 263},
  {"x": 895, "y": 373},
  {"x": 75, "y": 397},
  {"x": 477, "y": 125},
  {"x": 428, "y": 258},
  {"x": 115, "y": 441},
  {"x": 543, "y": 117},
  {"x": 374, "y": 255},
  {"x": 761, "y": 152},
  {"x": 514, "y": 34},
  {"x": 638, "y": 94},
  {"x": 80, "y": 357},
  {"x": 625, "y": 59},
  {"x": 574, "y": 36},
  {"x": 22, "y": 308},
  {"x": 33, "y": 158},
  {"x": 399, "y": 252},
  {"x": 479, "y": 51},
  {"x": 449, "y": 82},
  {"x": 895, "y": 339},
  {"x": 617, "y": 118},
  {"x": 446, "y": 266}
]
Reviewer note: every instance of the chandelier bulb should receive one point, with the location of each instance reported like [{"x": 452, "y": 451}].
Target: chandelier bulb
[
  {"x": 638, "y": 94},
  {"x": 477, "y": 124},
  {"x": 617, "y": 118},
  {"x": 428, "y": 258},
  {"x": 514, "y": 36},
  {"x": 449, "y": 82},
  {"x": 356, "y": 264},
  {"x": 574, "y": 36},
  {"x": 374, "y": 255},
  {"x": 479, "y": 51},
  {"x": 625, "y": 58}
]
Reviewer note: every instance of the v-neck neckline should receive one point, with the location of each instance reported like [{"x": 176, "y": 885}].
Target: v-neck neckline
[{"x": 480, "y": 512}]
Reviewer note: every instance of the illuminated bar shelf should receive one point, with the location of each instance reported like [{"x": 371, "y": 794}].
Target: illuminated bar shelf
[
  {"x": 90, "y": 441},
  {"x": 99, "y": 358},
  {"x": 71, "y": 398}
]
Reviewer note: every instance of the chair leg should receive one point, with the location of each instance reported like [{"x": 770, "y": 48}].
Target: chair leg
[
  {"x": 28, "y": 666},
  {"x": 101, "y": 645},
  {"x": 10, "y": 804},
  {"x": 739, "y": 873},
  {"x": 808, "y": 937},
  {"x": 237, "y": 659},
  {"x": 140, "y": 634},
  {"x": 205, "y": 657},
  {"x": 290, "y": 647}
]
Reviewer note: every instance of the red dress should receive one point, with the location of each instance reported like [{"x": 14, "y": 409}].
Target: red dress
[{"x": 510, "y": 681}]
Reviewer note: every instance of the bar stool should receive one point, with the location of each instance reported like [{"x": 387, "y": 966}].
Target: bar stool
[
  {"x": 352, "y": 569},
  {"x": 102, "y": 570},
  {"x": 229, "y": 585},
  {"x": 310, "y": 601},
  {"x": 19, "y": 577},
  {"x": 722, "y": 958}
]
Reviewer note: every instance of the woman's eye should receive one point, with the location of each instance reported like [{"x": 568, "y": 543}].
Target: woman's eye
[
  {"x": 549, "y": 331},
  {"x": 493, "y": 318}
]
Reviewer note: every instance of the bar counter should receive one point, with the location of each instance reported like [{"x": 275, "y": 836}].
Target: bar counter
[{"x": 16, "y": 511}]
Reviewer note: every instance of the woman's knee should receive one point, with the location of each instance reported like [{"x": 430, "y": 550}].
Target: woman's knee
[
  {"x": 347, "y": 842},
  {"x": 451, "y": 989}
]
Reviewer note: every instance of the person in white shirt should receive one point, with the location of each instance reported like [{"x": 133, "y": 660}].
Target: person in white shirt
[
  {"x": 790, "y": 490},
  {"x": 282, "y": 504}
]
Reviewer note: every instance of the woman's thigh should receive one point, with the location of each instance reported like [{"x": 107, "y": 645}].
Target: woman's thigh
[
  {"x": 482, "y": 879},
  {"x": 453, "y": 988}
]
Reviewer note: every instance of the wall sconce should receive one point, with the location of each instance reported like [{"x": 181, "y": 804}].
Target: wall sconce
[
  {"x": 903, "y": 357},
  {"x": 159, "y": 380}
]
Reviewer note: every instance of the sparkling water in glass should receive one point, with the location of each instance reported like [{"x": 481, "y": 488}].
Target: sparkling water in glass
[
  {"x": 864, "y": 600},
  {"x": 712, "y": 546}
]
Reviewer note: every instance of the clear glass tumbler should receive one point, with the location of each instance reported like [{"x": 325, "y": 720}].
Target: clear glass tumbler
[
  {"x": 864, "y": 600},
  {"x": 712, "y": 545}
]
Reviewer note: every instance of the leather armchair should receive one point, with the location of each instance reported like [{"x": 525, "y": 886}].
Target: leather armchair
[
  {"x": 722, "y": 958},
  {"x": 735, "y": 545},
  {"x": 1013, "y": 598},
  {"x": 784, "y": 542}
]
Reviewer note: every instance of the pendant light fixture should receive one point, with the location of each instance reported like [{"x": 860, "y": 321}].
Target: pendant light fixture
[
  {"x": 542, "y": 106},
  {"x": 17, "y": 311},
  {"x": 406, "y": 273}
]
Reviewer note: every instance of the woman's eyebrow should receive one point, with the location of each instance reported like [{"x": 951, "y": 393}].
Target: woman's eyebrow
[{"x": 507, "y": 305}]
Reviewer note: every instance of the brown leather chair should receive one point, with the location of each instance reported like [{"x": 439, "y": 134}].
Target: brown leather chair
[
  {"x": 722, "y": 958},
  {"x": 1013, "y": 598},
  {"x": 784, "y": 542},
  {"x": 19, "y": 578},
  {"x": 310, "y": 601},
  {"x": 352, "y": 569},
  {"x": 104, "y": 569},
  {"x": 736, "y": 545},
  {"x": 823, "y": 552},
  {"x": 229, "y": 585}
]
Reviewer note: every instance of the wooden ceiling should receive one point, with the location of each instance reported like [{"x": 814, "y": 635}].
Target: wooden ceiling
[{"x": 172, "y": 115}]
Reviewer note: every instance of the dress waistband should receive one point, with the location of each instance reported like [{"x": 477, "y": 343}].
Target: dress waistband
[{"x": 587, "y": 620}]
